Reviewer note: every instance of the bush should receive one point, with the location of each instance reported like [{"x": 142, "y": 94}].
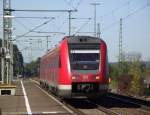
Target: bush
[{"x": 146, "y": 91}]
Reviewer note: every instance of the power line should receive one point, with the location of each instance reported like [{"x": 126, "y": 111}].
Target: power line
[
  {"x": 49, "y": 32},
  {"x": 34, "y": 28},
  {"x": 65, "y": 21},
  {"x": 36, "y": 17},
  {"x": 34, "y": 36},
  {"x": 78, "y": 4},
  {"x": 23, "y": 25},
  {"x": 127, "y": 16},
  {"x": 116, "y": 9},
  {"x": 69, "y": 3},
  {"x": 30, "y": 10},
  {"x": 82, "y": 26},
  {"x": 136, "y": 11}
]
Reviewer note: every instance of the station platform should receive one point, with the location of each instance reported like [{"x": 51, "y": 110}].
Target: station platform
[
  {"x": 7, "y": 89},
  {"x": 39, "y": 102}
]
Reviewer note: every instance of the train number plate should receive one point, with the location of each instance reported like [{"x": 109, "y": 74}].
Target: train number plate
[{"x": 85, "y": 87}]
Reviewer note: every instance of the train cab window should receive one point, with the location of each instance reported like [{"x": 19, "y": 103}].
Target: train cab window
[{"x": 85, "y": 59}]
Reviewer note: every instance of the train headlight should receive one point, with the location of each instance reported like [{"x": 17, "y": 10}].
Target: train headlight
[
  {"x": 109, "y": 80},
  {"x": 97, "y": 77},
  {"x": 73, "y": 77}
]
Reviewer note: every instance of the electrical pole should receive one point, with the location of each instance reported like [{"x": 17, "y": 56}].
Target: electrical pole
[
  {"x": 95, "y": 4},
  {"x": 11, "y": 62},
  {"x": 7, "y": 66},
  {"x": 30, "y": 51},
  {"x": 120, "y": 48},
  {"x": 47, "y": 42},
  {"x": 3, "y": 52},
  {"x": 98, "y": 30},
  {"x": 69, "y": 22}
]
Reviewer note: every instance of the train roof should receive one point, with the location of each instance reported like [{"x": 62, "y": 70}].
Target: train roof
[{"x": 78, "y": 39}]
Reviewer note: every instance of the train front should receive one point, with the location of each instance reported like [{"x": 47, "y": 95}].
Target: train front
[{"x": 89, "y": 66}]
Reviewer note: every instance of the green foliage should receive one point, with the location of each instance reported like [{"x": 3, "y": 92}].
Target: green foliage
[
  {"x": 135, "y": 72},
  {"x": 113, "y": 84},
  {"x": 0, "y": 42},
  {"x": 17, "y": 59},
  {"x": 114, "y": 71},
  {"x": 146, "y": 72},
  {"x": 32, "y": 68},
  {"x": 133, "y": 67},
  {"x": 146, "y": 91}
]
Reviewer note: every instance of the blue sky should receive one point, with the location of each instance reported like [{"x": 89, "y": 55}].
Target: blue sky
[{"x": 136, "y": 24}]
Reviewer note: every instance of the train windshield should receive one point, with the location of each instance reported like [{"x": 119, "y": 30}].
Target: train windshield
[{"x": 84, "y": 60}]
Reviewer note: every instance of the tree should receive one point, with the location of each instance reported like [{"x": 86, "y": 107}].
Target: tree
[
  {"x": 114, "y": 72},
  {"x": 32, "y": 68},
  {"x": 135, "y": 72},
  {"x": 17, "y": 59}
]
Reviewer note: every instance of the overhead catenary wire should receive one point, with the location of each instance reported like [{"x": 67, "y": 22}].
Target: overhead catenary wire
[
  {"x": 35, "y": 10},
  {"x": 78, "y": 4},
  {"x": 49, "y": 32},
  {"x": 16, "y": 19},
  {"x": 69, "y": 3},
  {"x": 116, "y": 9},
  {"x": 83, "y": 26},
  {"x": 35, "y": 17},
  {"x": 34, "y": 28},
  {"x": 73, "y": 6},
  {"x": 127, "y": 16},
  {"x": 23, "y": 25},
  {"x": 60, "y": 27}
]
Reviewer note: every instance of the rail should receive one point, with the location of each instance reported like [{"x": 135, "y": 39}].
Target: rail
[{"x": 144, "y": 104}]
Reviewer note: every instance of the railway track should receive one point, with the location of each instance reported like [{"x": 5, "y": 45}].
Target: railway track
[
  {"x": 80, "y": 106},
  {"x": 90, "y": 108},
  {"x": 122, "y": 106},
  {"x": 112, "y": 104},
  {"x": 71, "y": 109},
  {"x": 141, "y": 104}
]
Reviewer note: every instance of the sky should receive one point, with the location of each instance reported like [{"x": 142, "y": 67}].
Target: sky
[{"x": 135, "y": 25}]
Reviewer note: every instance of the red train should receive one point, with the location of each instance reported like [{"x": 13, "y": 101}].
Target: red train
[{"x": 78, "y": 66}]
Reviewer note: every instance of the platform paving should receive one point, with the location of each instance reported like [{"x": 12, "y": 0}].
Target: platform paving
[{"x": 39, "y": 101}]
